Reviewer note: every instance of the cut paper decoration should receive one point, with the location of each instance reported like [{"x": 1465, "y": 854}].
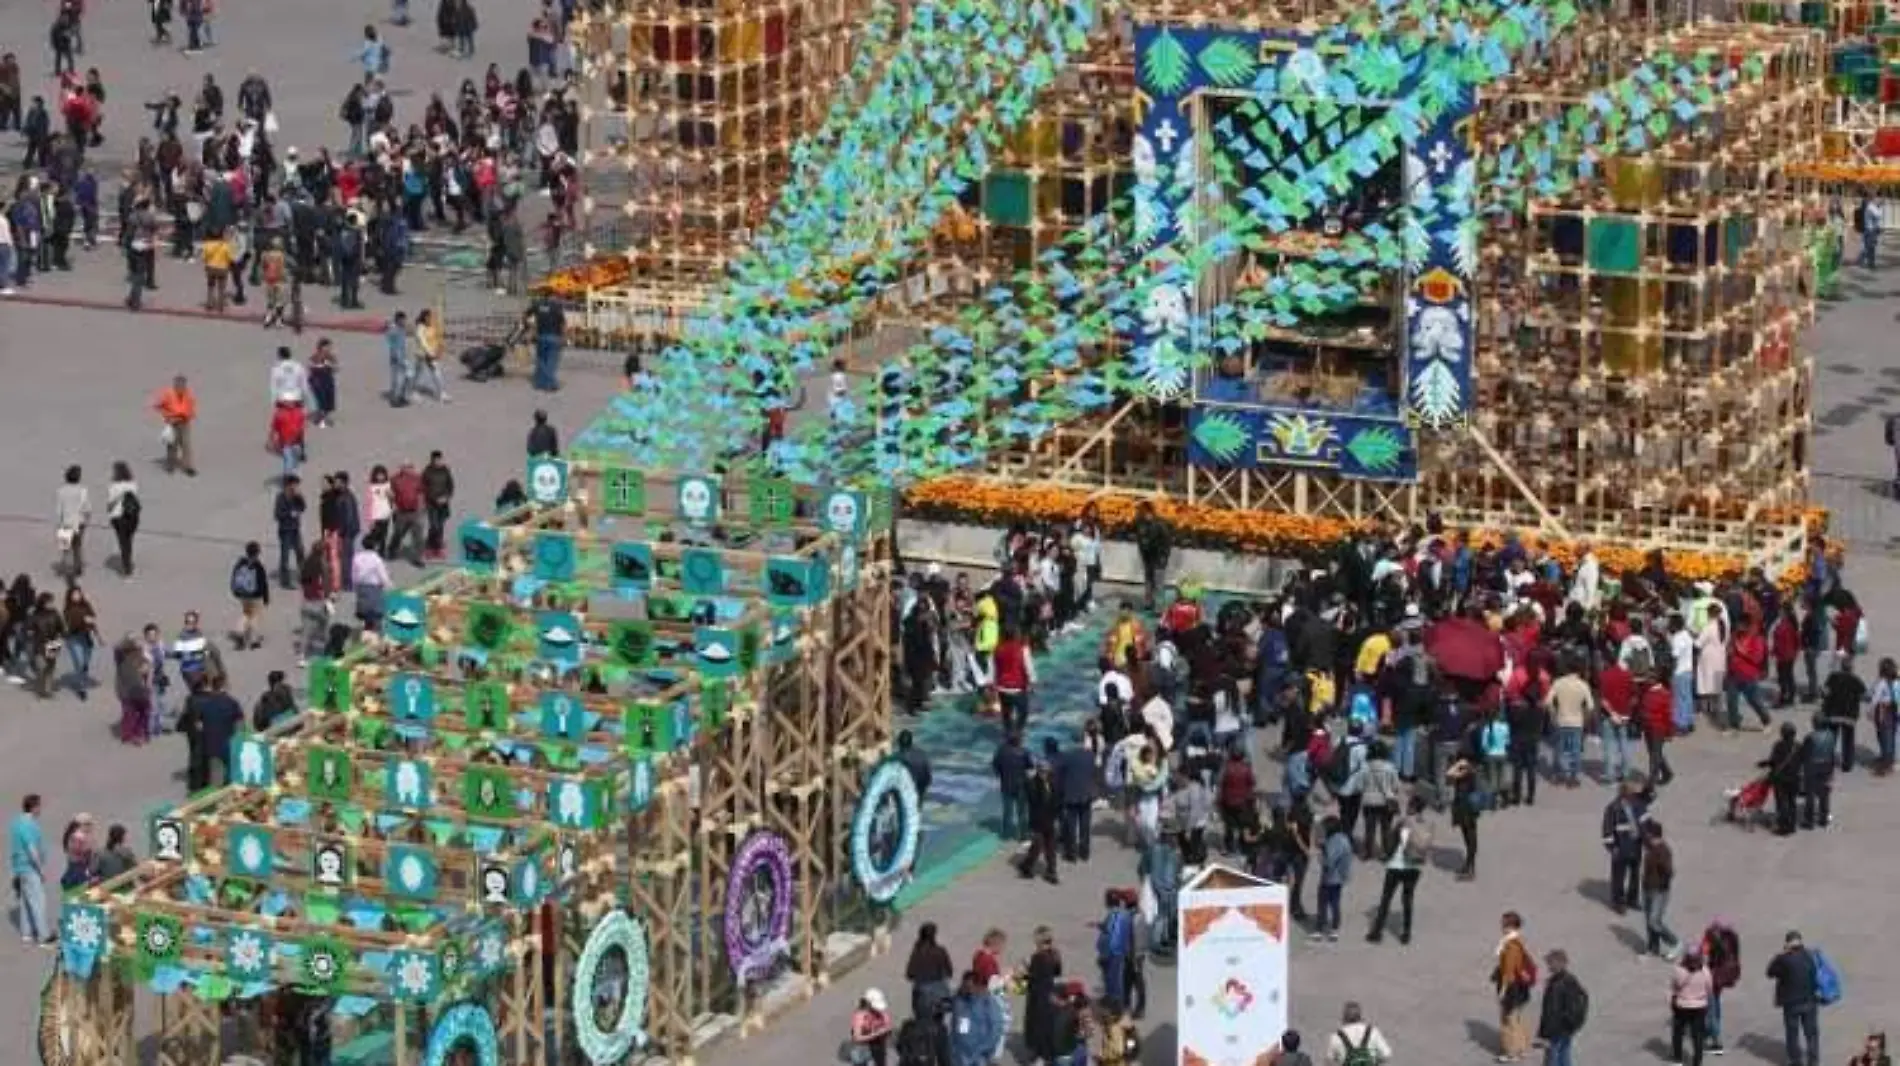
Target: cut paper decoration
[
  {"x": 406, "y": 620},
  {"x": 414, "y": 976},
  {"x": 488, "y": 792},
  {"x": 169, "y": 842},
  {"x": 250, "y": 851},
  {"x": 698, "y": 500},
  {"x": 161, "y": 942},
  {"x": 559, "y": 636},
  {"x": 771, "y": 502},
  {"x": 845, "y": 513},
  {"x": 787, "y": 581},
  {"x": 409, "y": 784},
  {"x": 640, "y": 792},
  {"x": 411, "y": 697},
  {"x": 410, "y": 872},
  {"x": 555, "y": 556},
  {"x": 702, "y": 572},
  {"x": 547, "y": 481},
  {"x": 322, "y": 966},
  {"x": 630, "y": 566},
  {"x": 485, "y": 706},
  {"x": 330, "y": 864},
  {"x": 247, "y": 956},
  {"x": 253, "y": 763},
  {"x": 631, "y": 643},
  {"x": 328, "y": 774},
  {"x": 562, "y": 716},
  {"x": 481, "y": 546},
  {"x": 488, "y": 626},
  {"x": 716, "y": 651},
  {"x": 885, "y": 829},
  {"x": 623, "y": 491},
  {"x": 82, "y": 938},
  {"x": 329, "y": 685},
  {"x": 575, "y": 804}
]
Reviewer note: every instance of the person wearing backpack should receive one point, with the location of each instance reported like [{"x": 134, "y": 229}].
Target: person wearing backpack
[
  {"x": 1357, "y": 1042},
  {"x": 250, "y": 584},
  {"x": 123, "y": 509},
  {"x": 1403, "y": 867},
  {"x": 1565, "y": 1008},
  {"x": 1797, "y": 974}
]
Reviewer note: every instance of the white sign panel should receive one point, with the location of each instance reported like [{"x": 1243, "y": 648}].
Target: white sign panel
[{"x": 1233, "y": 968}]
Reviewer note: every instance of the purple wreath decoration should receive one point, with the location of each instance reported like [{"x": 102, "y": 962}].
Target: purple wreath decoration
[{"x": 758, "y": 930}]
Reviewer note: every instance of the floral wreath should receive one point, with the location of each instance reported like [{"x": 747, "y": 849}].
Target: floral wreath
[
  {"x": 464, "y": 1022},
  {"x": 751, "y": 959},
  {"x": 616, "y": 930},
  {"x": 888, "y": 777}
]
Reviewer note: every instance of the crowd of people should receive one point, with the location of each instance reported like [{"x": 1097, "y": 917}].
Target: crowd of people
[
  {"x": 1410, "y": 678},
  {"x": 213, "y": 184}
]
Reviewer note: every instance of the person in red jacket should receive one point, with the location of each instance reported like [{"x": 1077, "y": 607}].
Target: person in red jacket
[
  {"x": 1784, "y": 643},
  {"x": 1747, "y": 665},
  {"x": 1616, "y": 691},
  {"x": 405, "y": 496},
  {"x": 287, "y": 432},
  {"x": 1655, "y": 717},
  {"x": 1014, "y": 670},
  {"x": 1236, "y": 798}
]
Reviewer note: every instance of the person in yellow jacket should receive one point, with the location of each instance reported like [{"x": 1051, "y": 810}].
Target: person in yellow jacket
[{"x": 989, "y": 633}]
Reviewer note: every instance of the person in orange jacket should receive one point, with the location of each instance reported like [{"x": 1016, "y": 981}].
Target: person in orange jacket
[{"x": 178, "y": 408}]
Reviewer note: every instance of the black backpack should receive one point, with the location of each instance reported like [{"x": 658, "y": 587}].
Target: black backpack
[
  {"x": 244, "y": 580},
  {"x": 130, "y": 508},
  {"x": 1339, "y": 764}
]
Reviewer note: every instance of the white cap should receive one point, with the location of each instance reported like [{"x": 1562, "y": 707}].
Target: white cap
[
  {"x": 933, "y": 570},
  {"x": 874, "y": 999}
]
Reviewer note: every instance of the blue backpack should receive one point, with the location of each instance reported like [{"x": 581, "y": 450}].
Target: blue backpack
[{"x": 1827, "y": 980}]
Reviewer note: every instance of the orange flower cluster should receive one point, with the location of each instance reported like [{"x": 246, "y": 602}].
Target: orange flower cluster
[
  {"x": 1272, "y": 533},
  {"x": 575, "y": 282},
  {"x": 1847, "y": 173}
]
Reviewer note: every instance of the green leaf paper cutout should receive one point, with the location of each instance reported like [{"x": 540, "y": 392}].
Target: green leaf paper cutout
[{"x": 1165, "y": 68}]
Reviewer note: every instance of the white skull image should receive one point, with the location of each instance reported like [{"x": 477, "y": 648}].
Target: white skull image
[
  {"x": 251, "y": 763},
  {"x": 1166, "y": 311},
  {"x": 561, "y": 707},
  {"x": 695, "y": 499},
  {"x": 1439, "y": 335},
  {"x": 530, "y": 881},
  {"x": 408, "y": 783},
  {"x": 1147, "y": 171},
  {"x": 329, "y": 866},
  {"x": 167, "y": 840},
  {"x": 411, "y": 873},
  {"x": 568, "y": 861},
  {"x": 412, "y": 698},
  {"x": 544, "y": 483},
  {"x": 841, "y": 513},
  {"x": 494, "y": 885},
  {"x": 573, "y": 804}
]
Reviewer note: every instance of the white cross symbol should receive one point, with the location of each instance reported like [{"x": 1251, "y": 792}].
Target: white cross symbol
[
  {"x": 1440, "y": 157},
  {"x": 1166, "y": 133}
]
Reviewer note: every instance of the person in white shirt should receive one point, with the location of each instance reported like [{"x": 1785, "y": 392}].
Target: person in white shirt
[
  {"x": 840, "y": 386},
  {"x": 1682, "y": 677},
  {"x": 370, "y": 575},
  {"x": 289, "y": 380},
  {"x": 72, "y": 510},
  {"x": 1113, "y": 683},
  {"x": 1356, "y": 1033},
  {"x": 1086, "y": 543},
  {"x": 1585, "y": 591},
  {"x": 1160, "y": 718}
]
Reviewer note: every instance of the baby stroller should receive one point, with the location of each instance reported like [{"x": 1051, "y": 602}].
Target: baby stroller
[{"x": 1748, "y": 805}]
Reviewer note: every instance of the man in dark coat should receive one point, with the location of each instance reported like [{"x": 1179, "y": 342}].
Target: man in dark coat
[
  {"x": 1566, "y": 1006},
  {"x": 1795, "y": 975},
  {"x": 1039, "y": 799},
  {"x": 1784, "y": 777}
]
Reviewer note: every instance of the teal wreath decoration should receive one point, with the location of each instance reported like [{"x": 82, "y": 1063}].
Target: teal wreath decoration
[
  {"x": 468, "y": 1023},
  {"x": 883, "y": 875},
  {"x": 601, "y": 1046}
]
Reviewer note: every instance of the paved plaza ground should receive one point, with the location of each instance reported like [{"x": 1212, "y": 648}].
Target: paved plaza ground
[{"x": 75, "y": 387}]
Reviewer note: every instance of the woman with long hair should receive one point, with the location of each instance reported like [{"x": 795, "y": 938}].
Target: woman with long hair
[
  {"x": 123, "y": 509},
  {"x": 132, "y": 682},
  {"x": 379, "y": 507},
  {"x": 82, "y": 635}
]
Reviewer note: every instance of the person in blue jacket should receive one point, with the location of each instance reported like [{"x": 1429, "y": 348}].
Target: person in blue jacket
[{"x": 975, "y": 1025}]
